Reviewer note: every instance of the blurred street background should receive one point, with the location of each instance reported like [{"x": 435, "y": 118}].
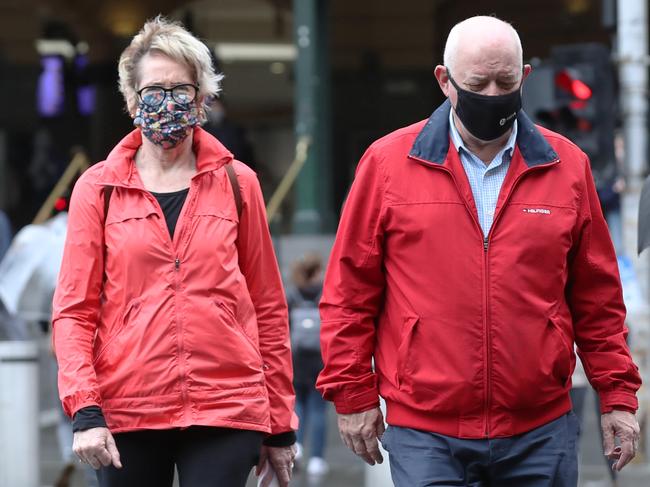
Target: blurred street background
[{"x": 309, "y": 85}]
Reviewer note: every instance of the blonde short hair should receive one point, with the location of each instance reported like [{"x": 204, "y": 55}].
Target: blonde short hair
[{"x": 174, "y": 41}]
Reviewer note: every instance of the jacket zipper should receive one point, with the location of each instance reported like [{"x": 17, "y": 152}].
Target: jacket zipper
[
  {"x": 486, "y": 334},
  {"x": 177, "y": 265},
  {"x": 486, "y": 241},
  {"x": 486, "y": 244},
  {"x": 179, "y": 333}
]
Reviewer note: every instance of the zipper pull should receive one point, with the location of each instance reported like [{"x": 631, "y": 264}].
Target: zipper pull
[
  {"x": 177, "y": 264},
  {"x": 485, "y": 243}
]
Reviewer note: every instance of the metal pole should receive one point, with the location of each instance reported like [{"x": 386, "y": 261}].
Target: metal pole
[
  {"x": 19, "y": 414},
  {"x": 632, "y": 56},
  {"x": 312, "y": 115}
]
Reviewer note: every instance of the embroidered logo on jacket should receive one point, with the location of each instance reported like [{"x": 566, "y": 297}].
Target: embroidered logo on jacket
[{"x": 542, "y": 211}]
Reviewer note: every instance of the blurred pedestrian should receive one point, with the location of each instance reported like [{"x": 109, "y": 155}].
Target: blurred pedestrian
[
  {"x": 5, "y": 234},
  {"x": 471, "y": 254},
  {"x": 302, "y": 297},
  {"x": 170, "y": 323},
  {"x": 230, "y": 134},
  {"x": 609, "y": 187},
  {"x": 579, "y": 394}
]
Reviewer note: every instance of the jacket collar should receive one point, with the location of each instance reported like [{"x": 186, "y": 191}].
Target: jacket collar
[
  {"x": 119, "y": 167},
  {"x": 432, "y": 143}
]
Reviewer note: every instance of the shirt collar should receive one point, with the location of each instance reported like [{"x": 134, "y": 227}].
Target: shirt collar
[{"x": 459, "y": 144}]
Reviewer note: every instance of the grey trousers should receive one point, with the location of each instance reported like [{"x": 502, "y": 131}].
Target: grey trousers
[{"x": 543, "y": 457}]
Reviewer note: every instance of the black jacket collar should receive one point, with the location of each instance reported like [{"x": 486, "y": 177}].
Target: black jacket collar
[{"x": 432, "y": 143}]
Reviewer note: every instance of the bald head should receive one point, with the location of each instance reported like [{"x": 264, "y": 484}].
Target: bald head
[{"x": 477, "y": 39}]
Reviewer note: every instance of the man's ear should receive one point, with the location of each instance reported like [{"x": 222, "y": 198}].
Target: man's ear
[
  {"x": 442, "y": 77},
  {"x": 527, "y": 70}
]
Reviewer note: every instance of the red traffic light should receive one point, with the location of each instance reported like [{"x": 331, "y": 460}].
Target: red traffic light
[
  {"x": 60, "y": 204},
  {"x": 577, "y": 88}
]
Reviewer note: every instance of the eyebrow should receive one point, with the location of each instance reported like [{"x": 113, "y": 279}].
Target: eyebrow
[
  {"x": 476, "y": 78},
  {"x": 172, "y": 83}
]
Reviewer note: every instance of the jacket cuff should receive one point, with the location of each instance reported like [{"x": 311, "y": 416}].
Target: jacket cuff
[
  {"x": 618, "y": 399},
  {"x": 79, "y": 400},
  {"x": 356, "y": 403},
  {"x": 287, "y": 438},
  {"x": 617, "y": 408},
  {"x": 88, "y": 418}
]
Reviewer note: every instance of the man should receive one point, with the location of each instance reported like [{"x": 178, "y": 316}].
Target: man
[
  {"x": 230, "y": 134},
  {"x": 471, "y": 255}
]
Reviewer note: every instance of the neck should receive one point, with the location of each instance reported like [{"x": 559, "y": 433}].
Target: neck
[
  {"x": 486, "y": 150},
  {"x": 152, "y": 157}
]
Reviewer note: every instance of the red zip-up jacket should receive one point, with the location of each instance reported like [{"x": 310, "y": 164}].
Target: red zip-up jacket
[
  {"x": 472, "y": 337},
  {"x": 185, "y": 331}
]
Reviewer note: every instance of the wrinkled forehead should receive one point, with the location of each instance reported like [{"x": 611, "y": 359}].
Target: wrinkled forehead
[{"x": 488, "y": 55}]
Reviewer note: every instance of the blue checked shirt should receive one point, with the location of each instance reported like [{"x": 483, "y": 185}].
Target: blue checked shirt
[{"x": 486, "y": 181}]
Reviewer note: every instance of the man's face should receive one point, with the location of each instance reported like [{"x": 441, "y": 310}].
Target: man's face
[{"x": 486, "y": 68}]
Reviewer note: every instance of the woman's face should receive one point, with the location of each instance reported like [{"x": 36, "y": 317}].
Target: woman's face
[
  {"x": 156, "y": 69},
  {"x": 168, "y": 108}
]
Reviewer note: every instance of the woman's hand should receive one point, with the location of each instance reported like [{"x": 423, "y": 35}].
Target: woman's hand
[
  {"x": 281, "y": 460},
  {"x": 96, "y": 447}
]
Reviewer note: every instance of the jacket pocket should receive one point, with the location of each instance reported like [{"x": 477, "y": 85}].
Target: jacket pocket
[
  {"x": 404, "y": 350},
  {"x": 130, "y": 310},
  {"x": 563, "y": 360},
  {"x": 531, "y": 365},
  {"x": 233, "y": 322}
]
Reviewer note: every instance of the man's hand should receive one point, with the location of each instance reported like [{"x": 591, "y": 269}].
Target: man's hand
[
  {"x": 96, "y": 447},
  {"x": 280, "y": 459},
  {"x": 623, "y": 426},
  {"x": 360, "y": 431}
]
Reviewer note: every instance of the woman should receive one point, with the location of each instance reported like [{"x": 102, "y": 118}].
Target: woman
[
  {"x": 170, "y": 325},
  {"x": 303, "y": 297}
]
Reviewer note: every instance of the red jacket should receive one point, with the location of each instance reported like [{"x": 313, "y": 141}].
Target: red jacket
[
  {"x": 472, "y": 337},
  {"x": 186, "y": 332}
]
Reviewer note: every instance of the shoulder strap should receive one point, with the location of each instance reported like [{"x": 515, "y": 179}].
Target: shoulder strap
[
  {"x": 108, "y": 191},
  {"x": 235, "y": 187}
]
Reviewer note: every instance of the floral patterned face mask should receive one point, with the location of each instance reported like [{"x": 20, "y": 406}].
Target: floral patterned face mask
[{"x": 168, "y": 124}]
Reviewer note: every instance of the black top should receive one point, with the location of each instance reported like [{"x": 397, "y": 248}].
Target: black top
[
  {"x": 171, "y": 205},
  {"x": 92, "y": 416}
]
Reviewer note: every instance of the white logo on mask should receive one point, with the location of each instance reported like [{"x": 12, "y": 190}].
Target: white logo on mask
[{"x": 503, "y": 121}]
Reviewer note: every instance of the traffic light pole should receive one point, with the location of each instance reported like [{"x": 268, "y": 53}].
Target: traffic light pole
[
  {"x": 632, "y": 41},
  {"x": 312, "y": 117}
]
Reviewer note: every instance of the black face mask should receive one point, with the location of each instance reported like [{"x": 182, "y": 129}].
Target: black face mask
[{"x": 486, "y": 117}]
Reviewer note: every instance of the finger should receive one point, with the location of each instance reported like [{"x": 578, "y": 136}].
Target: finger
[
  {"x": 260, "y": 465},
  {"x": 103, "y": 456},
  {"x": 284, "y": 475},
  {"x": 615, "y": 454},
  {"x": 83, "y": 454},
  {"x": 94, "y": 463},
  {"x": 608, "y": 441},
  {"x": 381, "y": 428},
  {"x": 266, "y": 479},
  {"x": 78, "y": 454},
  {"x": 114, "y": 453},
  {"x": 345, "y": 438},
  {"x": 359, "y": 447},
  {"x": 627, "y": 454},
  {"x": 372, "y": 447}
]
